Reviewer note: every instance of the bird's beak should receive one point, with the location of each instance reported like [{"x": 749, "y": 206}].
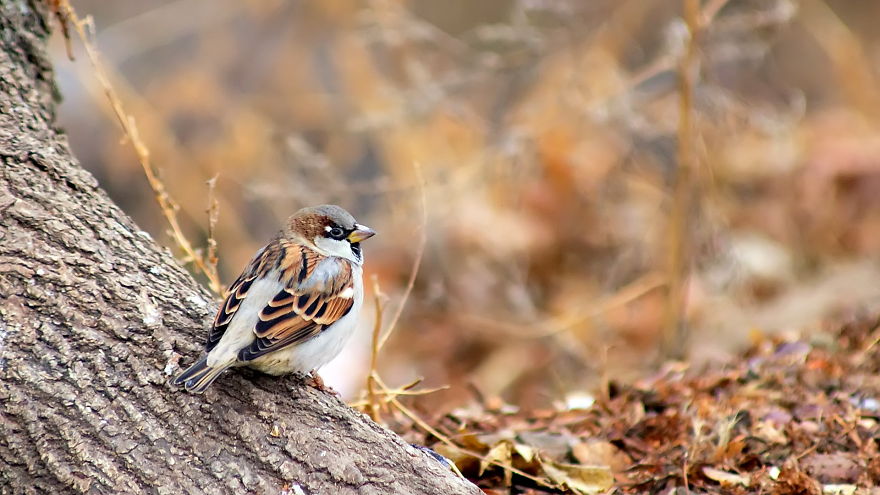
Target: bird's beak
[{"x": 360, "y": 233}]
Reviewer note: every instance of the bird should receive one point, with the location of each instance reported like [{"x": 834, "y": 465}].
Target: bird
[{"x": 295, "y": 304}]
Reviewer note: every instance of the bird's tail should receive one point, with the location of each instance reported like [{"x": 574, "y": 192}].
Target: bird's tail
[{"x": 199, "y": 376}]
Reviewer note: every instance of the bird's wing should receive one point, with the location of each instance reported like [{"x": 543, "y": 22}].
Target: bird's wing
[
  {"x": 318, "y": 291},
  {"x": 286, "y": 259},
  {"x": 234, "y": 297}
]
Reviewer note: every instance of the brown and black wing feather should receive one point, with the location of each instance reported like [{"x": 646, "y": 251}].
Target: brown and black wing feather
[
  {"x": 285, "y": 258},
  {"x": 302, "y": 310},
  {"x": 266, "y": 259},
  {"x": 234, "y": 297},
  {"x": 199, "y": 375}
]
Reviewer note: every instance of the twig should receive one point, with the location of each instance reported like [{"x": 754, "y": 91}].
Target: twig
[
  {"x": 667, "y": 63},
  {"x": 674, "y": 335},
  {"x": 373, "y": 404},
  {"x": 167, "y": 204},
  {"x": 684, "y": 474},
  {"x": 379, "y": 338},
  {"x": 420, "y": 251},
  {"x": 61, "y": 16},
  {"x": 449, "y": 443},
  {"x": 622, "y": 297},
  {"x": 213, "y": 215},
  {"x": 402, "y": 391},
  {"x": 851, "y": 64}
]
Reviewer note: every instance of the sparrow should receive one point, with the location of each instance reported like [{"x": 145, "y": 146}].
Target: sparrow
[{"x": 296, "y": 303}]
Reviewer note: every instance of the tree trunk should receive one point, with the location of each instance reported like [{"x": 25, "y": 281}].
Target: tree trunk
[{"x": 93, "y": 319}]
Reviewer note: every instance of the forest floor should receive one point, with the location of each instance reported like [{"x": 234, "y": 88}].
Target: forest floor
[{"x": 787, "y": 417}]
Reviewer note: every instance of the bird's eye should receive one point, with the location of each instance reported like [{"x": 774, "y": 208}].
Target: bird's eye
[{"x": 337, "y": 233}]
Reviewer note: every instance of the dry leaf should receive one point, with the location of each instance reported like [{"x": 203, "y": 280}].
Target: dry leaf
[
  {"x": 767, "y": 431},
  {"x": 577, "y": 478},
  {"x": 473, "y": 442},
  {"x": 724, "y": 477},
  {"x": 833, "y": 489},
  {"x": 600, "y": 452},
  {"x": 499, "y": 453},
  {"x": 462, "y": 460},
  {"x": 552, "y": 444},
  {"x": 838, "y": 468},
  {"x": 524, "y": 451}
]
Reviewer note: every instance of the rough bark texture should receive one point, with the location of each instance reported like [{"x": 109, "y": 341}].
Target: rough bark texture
[{"x": 93, "y": 318}]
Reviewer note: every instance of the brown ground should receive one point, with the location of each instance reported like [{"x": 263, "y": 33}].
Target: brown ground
[{"x": 792, "y": 417}]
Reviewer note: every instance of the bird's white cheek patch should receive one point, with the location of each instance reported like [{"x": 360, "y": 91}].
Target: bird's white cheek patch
[
  {"x": 347, "y": 293},
  {"x": 333, "y": 247}
]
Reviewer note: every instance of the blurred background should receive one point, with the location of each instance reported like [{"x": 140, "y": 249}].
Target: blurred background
[{"x": 544, "y": 138}]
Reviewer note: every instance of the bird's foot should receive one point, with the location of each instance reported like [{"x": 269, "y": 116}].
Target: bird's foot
[{"x": 313, "y": 379}]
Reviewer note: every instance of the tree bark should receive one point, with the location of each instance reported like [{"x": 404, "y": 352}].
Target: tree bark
[{"x": 94, "y": 317}]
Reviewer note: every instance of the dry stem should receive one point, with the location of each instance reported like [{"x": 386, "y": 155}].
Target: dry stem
[
  {"x": 420, "y": 251},
  {"x": 418, "y": 421},
  {"x": 169, "y": 207},
  {"x": 675, "y": 336},
  {"x": 372, "y": 402},
  {"x": 549, "y": 327},
  {"x": 213, "y": 215}
]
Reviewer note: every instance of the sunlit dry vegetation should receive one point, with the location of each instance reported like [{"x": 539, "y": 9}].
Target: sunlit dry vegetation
[{"x": 601, "y": 185}]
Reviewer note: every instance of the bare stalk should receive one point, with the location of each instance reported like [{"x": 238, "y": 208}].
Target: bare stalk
[
  {"x": 674, "y": 341},
  {"x": 372, "y": 400},
  {"x": 417, "y": 262},
  {"x": 84, "y": 29}
]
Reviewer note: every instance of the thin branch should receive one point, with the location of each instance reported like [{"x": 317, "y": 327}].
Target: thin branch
[
  {"x": 85, "y": 30},
  {"x": 372, "y": 402},
  {"x": 387, "y": 394},
  {"x": 418, "y": 421},
  {"x": 213, "y": 216},
  {"x": 420, "y": 251},
  {"x": 379, "y": 338},
  {"x": 549, "y": 327},
  {"x": 674, "y": 332}
]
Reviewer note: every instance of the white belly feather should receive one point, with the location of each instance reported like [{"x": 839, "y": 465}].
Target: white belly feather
[{"x": 301, "y": 357}]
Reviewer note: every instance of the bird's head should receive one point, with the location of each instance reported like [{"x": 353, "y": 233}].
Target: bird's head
[{"x": 330, "y": 230}]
